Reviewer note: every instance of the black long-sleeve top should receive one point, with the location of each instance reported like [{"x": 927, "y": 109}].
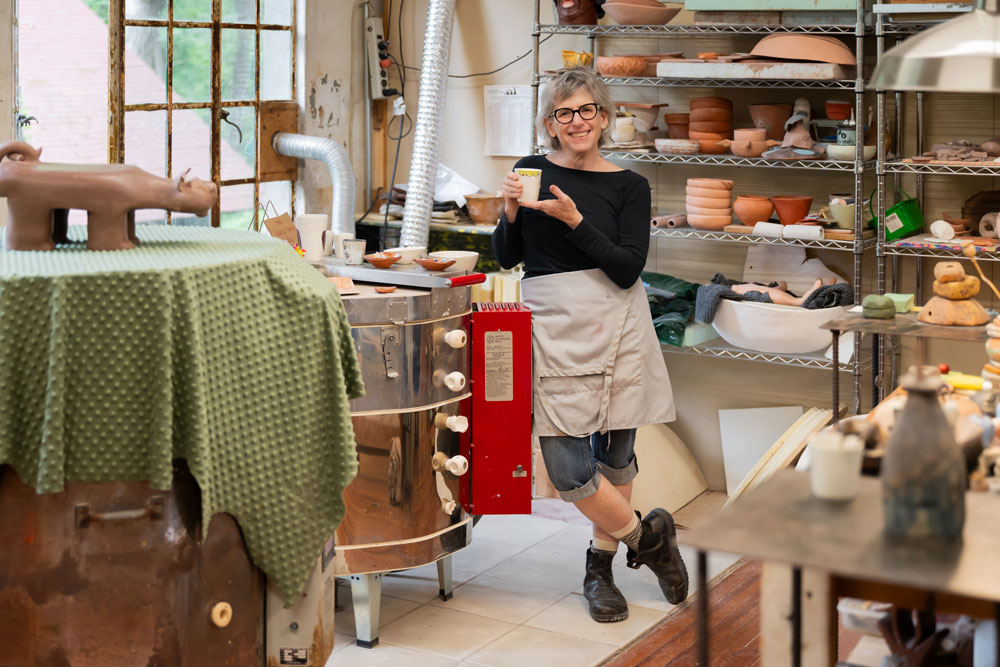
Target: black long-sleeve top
[{"x": 613, "y": 236}]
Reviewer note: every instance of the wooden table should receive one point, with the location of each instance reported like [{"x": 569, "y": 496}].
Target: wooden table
[{"x": 815, "y": 551}]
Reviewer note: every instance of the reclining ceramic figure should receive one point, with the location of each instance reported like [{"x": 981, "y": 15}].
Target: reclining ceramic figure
[{"x": 40, "y": 195}]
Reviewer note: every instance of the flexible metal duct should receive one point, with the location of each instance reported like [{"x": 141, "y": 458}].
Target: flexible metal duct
[
  {"x": 341, "y": 172},
  {"x": 427, "y": 132}
]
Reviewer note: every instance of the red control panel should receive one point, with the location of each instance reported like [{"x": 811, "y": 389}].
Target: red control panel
[{"x": 498, "y": 441}]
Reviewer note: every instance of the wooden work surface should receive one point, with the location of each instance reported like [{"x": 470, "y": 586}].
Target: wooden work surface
[
  {"x": 905, "y": 325},
  {"x": 781, "y": 521}
]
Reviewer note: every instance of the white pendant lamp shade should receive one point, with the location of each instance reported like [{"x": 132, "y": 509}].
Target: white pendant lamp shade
[{"x": 960, "y": 55}]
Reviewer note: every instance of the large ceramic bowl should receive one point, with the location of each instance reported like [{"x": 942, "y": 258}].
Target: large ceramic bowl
[
  {"x": 774, "y": 329},
  {"x": 408, "y": 253},
  {"x": 621, "y": 65},
  {"x": 624, "y": 13},
  {"x": 817, "y": 48},
  {"x": 465, "y": 260}
]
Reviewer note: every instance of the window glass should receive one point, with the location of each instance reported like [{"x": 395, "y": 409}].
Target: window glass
[{"x": 237, "y": 57}]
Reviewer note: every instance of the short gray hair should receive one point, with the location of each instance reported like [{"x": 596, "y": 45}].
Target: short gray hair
[{"x": 564, "y": 84}]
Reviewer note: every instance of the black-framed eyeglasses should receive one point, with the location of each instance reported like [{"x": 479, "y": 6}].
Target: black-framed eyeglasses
[{"x": 565, "y": 115}]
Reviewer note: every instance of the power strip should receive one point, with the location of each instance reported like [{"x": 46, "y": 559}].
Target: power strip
[{"x": 376, "y": 46}]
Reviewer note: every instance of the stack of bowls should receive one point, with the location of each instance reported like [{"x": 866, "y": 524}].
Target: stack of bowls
[
  {"x": 677, "y": 125},
  {"x": 709, "y": 203},
  {"x": 711, "y": 121}
]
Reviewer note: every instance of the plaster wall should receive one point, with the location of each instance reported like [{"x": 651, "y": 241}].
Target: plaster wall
[{"x": 330, "y": 85}]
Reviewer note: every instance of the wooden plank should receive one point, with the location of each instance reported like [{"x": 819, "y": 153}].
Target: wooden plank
[
  {"x": 733, "y": 609},
  {"x": 819, "y": 617},
  {"x": 754, "y": 477},
  {"x": 276, "y": 117}
]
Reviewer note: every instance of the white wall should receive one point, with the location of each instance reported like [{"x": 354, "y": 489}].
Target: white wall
[{"x": 330, "y": 85}]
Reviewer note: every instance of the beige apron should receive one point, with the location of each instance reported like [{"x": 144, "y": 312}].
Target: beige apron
[{"x": 596, "y": 361}]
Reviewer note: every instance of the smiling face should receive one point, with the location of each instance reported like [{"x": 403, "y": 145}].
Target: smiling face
[
  {"x": 579, "y": 136},
  {"x": 576, "y": 12}
]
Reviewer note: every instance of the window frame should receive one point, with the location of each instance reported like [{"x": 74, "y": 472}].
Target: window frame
[{"x": 117, "y": 108}]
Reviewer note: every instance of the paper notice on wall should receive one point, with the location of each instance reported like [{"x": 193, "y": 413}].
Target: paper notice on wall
[{"x": 508, "y": 120}]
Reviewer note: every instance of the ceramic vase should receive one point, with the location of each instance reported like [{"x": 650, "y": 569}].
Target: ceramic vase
[
  {"x": 923, "y": 470},
  {"x": 751, "y": 209}
]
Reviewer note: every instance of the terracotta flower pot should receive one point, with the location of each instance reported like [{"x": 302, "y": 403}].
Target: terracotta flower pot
[
  {"x": 771, "y": 117},
  {"x": 710, "y": 114},
  {"x": 707, "y": 193},
  {"x": 706, "y": 202},
  {"x": 691, "y": 209},
  {"x": 620, "y": 65},
  {"x": 710, "y": 103},
  {"x": 751, "y": 209},
  {"x": 791, "y": 209},
  {"x": 709, "y": 223},
  {"x": 677, "y": 131},
  {"x": 720, "y": 126}
]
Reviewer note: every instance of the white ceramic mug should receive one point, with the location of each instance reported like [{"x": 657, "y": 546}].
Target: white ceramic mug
[
  {"x": 531, "y": 182},
  {"x": 338, "y": 243},
  {"x": 836, "y": 465},
  {"x": 354, "y": 251},
  {"x": 843, "y": 214},
  {"x": 311, "y": 227}
]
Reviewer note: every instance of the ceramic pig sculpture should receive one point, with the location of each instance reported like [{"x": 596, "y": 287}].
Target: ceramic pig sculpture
[{"x": 40, "y": 195}]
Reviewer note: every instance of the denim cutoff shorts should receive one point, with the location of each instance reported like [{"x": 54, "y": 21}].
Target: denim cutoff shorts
[{"x": 576, "y": 465}]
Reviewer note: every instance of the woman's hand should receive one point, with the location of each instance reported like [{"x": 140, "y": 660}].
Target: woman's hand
[
  {"x": 510, "y": 189},
  {"x": 561, "y": 208}
]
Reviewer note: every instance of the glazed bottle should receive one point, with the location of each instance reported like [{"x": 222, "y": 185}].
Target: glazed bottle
[{"x": 923, "y": 470}]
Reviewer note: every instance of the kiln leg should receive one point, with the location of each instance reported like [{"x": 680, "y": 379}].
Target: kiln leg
[
  {"x": 444, "y": 578},
  {"x": 366, "y": 591}
]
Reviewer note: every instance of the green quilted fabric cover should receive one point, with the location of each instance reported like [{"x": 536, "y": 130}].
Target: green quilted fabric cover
[{"x": 220, "y": 347}]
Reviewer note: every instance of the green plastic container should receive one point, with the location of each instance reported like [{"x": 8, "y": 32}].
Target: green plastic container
[{"x": 901, "y": 219}]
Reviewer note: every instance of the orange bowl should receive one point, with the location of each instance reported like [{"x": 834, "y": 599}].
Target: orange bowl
[
  {"x": 432, "y": 264},
  {"x": 382, "y": 260}
]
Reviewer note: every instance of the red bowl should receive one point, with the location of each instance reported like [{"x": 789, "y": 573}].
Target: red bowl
[{"x": 836, "y": 110}]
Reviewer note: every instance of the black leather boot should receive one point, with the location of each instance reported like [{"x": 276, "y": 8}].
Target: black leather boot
[
  {"x": 658, "y": 551},
  {"x": 607, "y": 604}
]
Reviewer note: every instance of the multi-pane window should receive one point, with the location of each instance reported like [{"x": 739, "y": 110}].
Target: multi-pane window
[{"x": 186, "y": 81}]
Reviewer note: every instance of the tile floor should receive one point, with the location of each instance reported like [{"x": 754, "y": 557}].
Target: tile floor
[{"x": 517, "y": 600}]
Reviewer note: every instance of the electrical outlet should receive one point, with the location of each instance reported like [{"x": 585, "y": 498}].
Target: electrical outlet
[{"x": 375, "y": 43}]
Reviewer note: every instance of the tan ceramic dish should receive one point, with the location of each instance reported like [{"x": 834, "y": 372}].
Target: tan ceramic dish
[
  {"x": 697, "y": 210},
  {"x": 708, "y": 203},
  {"x": 707, "y": 193},
  {"x": 710, "y": 183},
  {"x": 709, "y": 223}
]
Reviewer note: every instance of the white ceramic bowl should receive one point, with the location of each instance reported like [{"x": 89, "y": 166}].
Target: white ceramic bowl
[
  {"x": 407, "y": 254},
  {"x": 465, "y": 260},
  {"x": 837, "y": 152},
  {"x": 774, "y": 329}
]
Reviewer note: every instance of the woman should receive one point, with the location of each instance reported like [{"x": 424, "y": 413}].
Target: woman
[{"x": 597, "y": 366}]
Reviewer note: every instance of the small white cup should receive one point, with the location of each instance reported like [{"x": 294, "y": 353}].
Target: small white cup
[
  {"x": 311, "y": 227},
  {"x": 354, "y": 251},
  {"x": 531, "y": 182},
  {"x": 338, "y": 243},
  {"x": 836, "y": 465}
]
